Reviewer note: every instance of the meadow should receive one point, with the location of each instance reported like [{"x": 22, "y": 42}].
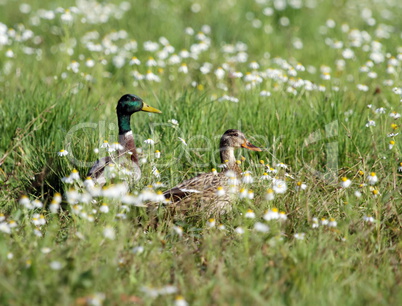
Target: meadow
[{"x": 316, "y": 84}]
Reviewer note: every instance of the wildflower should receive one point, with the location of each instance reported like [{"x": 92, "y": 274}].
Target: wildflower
[
  {"x": 261, "y": 227},
  {"x": 324, "y": 221},
  {"x": 104, "y": 208},
  {"x": 137, "y": 250},
  {"x": 281, "y": 165},
  {"x": 105, "y": 144},
  {"x": 265, "y": 93},
  {"x": 358, "y": 194},
  {"x": 368, "y": 219},
  {"x": 115, "y": 146},
  {"x": 250, "y": 194},
  {"x": 149, "y": 141},
  {"x": 214, "y": 171},
  {"x": 395, "y": 115},
  {"x": 283, "y": 216},
  {"x": 289, "y": 176},
  {"x": 400, "y": 167},
  {"x": 183, "y": 68},
  {"x": 109, "y": 233},
  {"x": 301, "y": 186},
  {"x": 96, "y": 299},
  {"x": 370, "y": 123},
  {"x": 35, "y": 220},
  {"x": 242, "y": 193},
  {"x": 211, "y": 223},
  {"x": 299, "y": 236},
  {"x": 75, "y": 175},
  {"x": 74, "y": 66},
  {"x": 279, "y": 186},
  {"x": 134, "y": 61},
  {"x": 46, "y": 250},
  {"x": 239, "y": 230},
  {"x": 5, "y": 228},
  {"x": 156, "y": 172},
  {"x": 391, "y": 144},
  {"x": 332, "y": 223},
  {"x": 247, "y": 178},
  {"x": 180, "y": 301},
  {"x": 254, "y": 65},
  {"x": 159, "y": 197},
  {"x": 62, "y": 152},
  {"x": 228, "y": 98},
  {"x": 89, "y": 183},
  {"x": 271, "y": 170},
  {"x": 372, "y": 178},
  {"x": 375, "y": 193},
  {"x": 54, "y": 206},
  {"x": 221, "y": 227},
  {"x": 265, "y": 176},
  {"x": 178, "y": 230},
  {"x": 220, "y": 191},
  {"x": 10, "y": 255},
  {"x": 151, "y": 62},
  {"x": 270, "y": 195},
  {"x": 182, "y": 140},
  {"x": 90, "y": 63},
  {"x": 271, "y": 214},
  {"x": 173, "y": 122},
  {"x": 150, "y": 76},
  {"x": 157, "y": 154},
  {"x": 394, "y": 126},
  {"x": 380, "y": 110},
  {"x": 56, "y": 265},
  {"x": 24, "y": 201},
  {"x": 220, "y": 73},
  {"x": 250, "y": 214},
  {"x": 315, "y": 223},
  {"x": 345, "y": 182},
  {"x": 37, "y": 232}
]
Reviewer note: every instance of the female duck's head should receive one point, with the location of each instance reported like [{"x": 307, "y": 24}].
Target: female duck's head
[
  {"x": 236, "y": 139},
  {"x": 129, "y": 104}
]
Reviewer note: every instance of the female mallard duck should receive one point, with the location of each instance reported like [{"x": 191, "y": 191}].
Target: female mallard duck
[
  {"x": 127, "y": 105},
  {"x": 209, "y": 191}
]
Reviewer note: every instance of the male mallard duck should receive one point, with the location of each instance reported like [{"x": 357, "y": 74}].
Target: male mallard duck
[
  {"x": 210, "y": 190},
  {"x": 127, "y": 105}
]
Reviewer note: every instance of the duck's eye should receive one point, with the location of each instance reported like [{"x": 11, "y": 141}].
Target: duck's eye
[{"x": 236, "y": 135}]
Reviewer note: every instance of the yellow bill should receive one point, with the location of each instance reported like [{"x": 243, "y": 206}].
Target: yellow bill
[{"x": 150, "y": 109}]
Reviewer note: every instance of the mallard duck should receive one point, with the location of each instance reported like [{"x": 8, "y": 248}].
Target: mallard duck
[
  {"x": 210, "y": 191},
  {"x": 126, "y": 151}
]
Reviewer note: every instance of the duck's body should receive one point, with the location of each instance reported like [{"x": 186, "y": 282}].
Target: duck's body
[
  {"x": 127, "y": 156},
  {"x": 210, "y": 191}
]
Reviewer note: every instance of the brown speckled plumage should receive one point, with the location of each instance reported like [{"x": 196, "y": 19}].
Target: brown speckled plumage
[{"x": 200, "y": 192}]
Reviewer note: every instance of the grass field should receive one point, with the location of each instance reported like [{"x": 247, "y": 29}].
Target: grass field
[{"x": 316, "y": 84}]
